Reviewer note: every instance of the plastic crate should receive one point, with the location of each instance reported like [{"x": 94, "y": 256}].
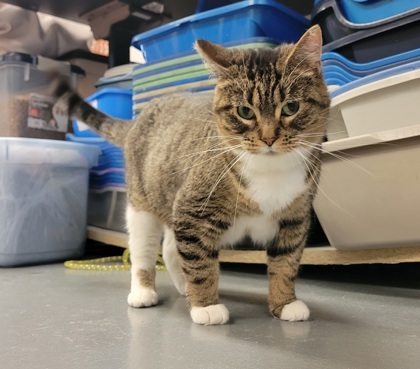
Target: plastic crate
[
  {"x": 369, "y": 104},
  {"x": 368, "y": 41},
  {"x": 244, "y": 19},
  {"x": 366, "y": 45},
  {"x": 369, "y": 190},
  {"x": 43, "y": 201},
  {"x": 110, "y": 169},
  {"x": 369, "y": 11},
  {"x": 362, "y": 14},
  {"x": 339, "y": 71}
]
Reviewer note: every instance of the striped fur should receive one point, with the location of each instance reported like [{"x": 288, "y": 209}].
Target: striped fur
[
  {"x": 209, "y": 177},
  {"x": 114, "y": 130}
]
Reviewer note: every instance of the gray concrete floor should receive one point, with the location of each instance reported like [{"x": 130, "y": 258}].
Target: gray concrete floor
[{"x": 51, "y": 317}]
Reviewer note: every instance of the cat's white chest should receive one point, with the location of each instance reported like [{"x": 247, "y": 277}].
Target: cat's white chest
[{"x": 273, "y": 183}]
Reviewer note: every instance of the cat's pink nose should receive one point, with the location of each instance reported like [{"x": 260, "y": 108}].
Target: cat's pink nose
[{"x": 269, "y": 140}]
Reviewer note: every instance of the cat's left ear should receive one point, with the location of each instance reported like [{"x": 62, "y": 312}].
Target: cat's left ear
[
  {"x": 216, "y": 57},
  {"x": 308, "y": 49}
]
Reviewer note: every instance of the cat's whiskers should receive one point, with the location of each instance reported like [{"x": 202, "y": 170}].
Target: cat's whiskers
[
  {"x": 315, "y": 157},
  {"x": 211, "y": 149},
  {"x": 202, "y": 153},
  {"x": 229, "y": 149},
  {"x": 305, "y": 162},
  {"x": 244, "y": 168},
  {"x": 222, "y": 143},
  {"x": 209, "y": 137},
  {"x": 208, "y": 121},
  {"x": 231, "y": 164},
  {"x": 310, "y": 135},
  {"x": 216, "y": 147},
  {"x": 335, "y": 155},
  {"x": 295, "y": 155},
  {"x": 311, "y": 154}
]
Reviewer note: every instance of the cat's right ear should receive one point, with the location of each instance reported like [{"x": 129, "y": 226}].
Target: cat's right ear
[{"x": 216, "y": 57}]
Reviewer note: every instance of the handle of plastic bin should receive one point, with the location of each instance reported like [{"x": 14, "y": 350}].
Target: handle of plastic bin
[{"x": 373, "y": 138}]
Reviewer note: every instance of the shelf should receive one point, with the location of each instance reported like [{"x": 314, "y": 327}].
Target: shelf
[{"x": 311, "y": 255}]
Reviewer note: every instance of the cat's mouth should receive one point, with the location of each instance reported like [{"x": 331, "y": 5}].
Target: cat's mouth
[{"x": 269, "y": 151}]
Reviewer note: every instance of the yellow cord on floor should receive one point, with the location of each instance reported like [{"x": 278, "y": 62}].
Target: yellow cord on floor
[{"x": 111, "y": 263}]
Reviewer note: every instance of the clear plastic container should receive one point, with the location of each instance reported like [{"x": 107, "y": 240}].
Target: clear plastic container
[
  {"x": 43, "y": 200},
  {"x": 25, "y": 97}
]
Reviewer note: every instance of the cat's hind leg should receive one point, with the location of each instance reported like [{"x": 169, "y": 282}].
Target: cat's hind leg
[
  {"x": 171, "y": 258},
  {"x": 145, "y": 234}
]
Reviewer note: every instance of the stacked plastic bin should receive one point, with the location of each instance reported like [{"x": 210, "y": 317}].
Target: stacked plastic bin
[
  {"x": 43, "y": 180},
  {"x": 173, "y": 65},
  {"x": 107, "y": 196},
  {"x": 371, "y": 62}
]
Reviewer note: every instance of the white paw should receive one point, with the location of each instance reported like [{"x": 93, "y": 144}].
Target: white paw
[
  {"x": 142, "y": 298},
  {"x": 210, "y": 315},
  {"x": 295, "y": 311}
]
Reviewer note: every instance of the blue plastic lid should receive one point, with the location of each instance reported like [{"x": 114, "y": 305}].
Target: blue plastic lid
[
  {"x": 216, "y": 13},
  {"x": 177, "y": 61},
  {"x": 111, "y": 90}
]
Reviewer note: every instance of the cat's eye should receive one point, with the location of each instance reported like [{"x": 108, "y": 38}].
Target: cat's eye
[
  {"x": 290, "y": 108},
  {"x": 245, "y": 112}
]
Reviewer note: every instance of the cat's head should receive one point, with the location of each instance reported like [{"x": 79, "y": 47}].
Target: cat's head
[{"x": 270, "y": 101}]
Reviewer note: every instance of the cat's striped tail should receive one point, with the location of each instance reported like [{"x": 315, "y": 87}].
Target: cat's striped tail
[{"x": 113, "y": 130}]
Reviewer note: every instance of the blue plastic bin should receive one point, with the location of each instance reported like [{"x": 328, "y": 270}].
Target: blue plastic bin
[
  {"x": 368, "y": 11},
  {"x": 111, "y": 157},
  {"x": 115, "y": 102},
  {"x": 375, "y": 77},
  {"x": 361, "y": 14},
  {"x": 339, "y": 71},
  {"x": 245, "y": 19}
]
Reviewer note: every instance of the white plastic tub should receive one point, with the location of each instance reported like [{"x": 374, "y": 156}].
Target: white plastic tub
[
  {"x": 43, "y": 199},
  {"x": 381, "y": 105},
  {"x": 371, "y": 199}
]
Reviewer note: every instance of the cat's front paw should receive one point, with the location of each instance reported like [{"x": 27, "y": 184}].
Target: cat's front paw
[
  {"x": 293, "y": 312},
  {"x": 142, "y": 298},
  {"x": 210, "y": 315}
]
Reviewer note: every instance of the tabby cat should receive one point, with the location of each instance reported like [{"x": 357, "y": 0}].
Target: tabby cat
[{"x": 207, "y": 169}]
